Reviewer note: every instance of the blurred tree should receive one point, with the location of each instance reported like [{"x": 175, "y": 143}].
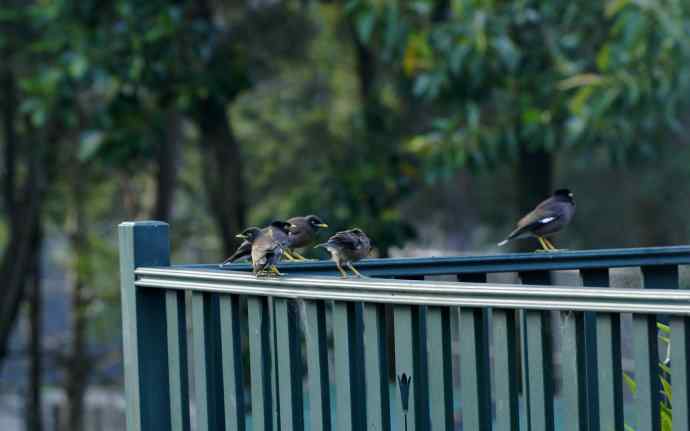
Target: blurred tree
[{"x": 518, "y": 81}]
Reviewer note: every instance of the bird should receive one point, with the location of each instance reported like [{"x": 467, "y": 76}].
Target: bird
[
  {"x": 346, "y": 247},
  {"x": 280, "y": 229},
  {"x": 549, "y": 217},
  {"x": 266, "y": 249},
  {"x": 303, "y": 232}
]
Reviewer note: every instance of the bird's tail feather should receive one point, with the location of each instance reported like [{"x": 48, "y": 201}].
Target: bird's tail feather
[{"x": 502, "y": 243}]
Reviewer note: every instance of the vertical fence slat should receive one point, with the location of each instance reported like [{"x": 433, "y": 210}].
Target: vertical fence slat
[
  {"x": 646, "y": 354},
  {"x": 537, "y": 360},
  {"x": 598, "y": 277},
  {"x": 609, "y": 371},
  {"x": 317, "y": 363},
  {"x": 680, "y": 372},
  {"x": 233, "y": 369},
  {"x": 208, "y": 379},
  {"x": 474, "y": 391},
  {"x": 349, "y": 357},
  {"x": 376, "y": 373},
  {"x": 289, "y": 360},
  {"x": 572, "y": 365},
  {"x": 177, "y": 359},
  {"x": 260, "y": 357},
  {"x": 440, "y": 368},
  {"x": 505, "y": 370},
  {"x": 404, "y": 360},
  {"x": 144, "y": 333}
]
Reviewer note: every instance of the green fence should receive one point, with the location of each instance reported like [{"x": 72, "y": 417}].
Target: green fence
[{"x": 314, "y": 350}]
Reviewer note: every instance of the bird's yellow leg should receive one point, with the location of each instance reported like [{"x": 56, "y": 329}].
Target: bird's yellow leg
[
  {"x": 551, "y": 246},
  {"x": 289, "y": 255},
  {"x": 342, "y": 271},
  {"x": 354, "y": 270},
  {"x": 275, "y": 270},
  {"x": 543, "y": 244},
  {"x": 297, "y": 256}
]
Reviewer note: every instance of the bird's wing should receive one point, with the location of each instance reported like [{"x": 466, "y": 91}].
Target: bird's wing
[
  {"x": 345, "y": 239},
  {"x": 542, "y": 215},
  {"x": 244, "y": 250}
]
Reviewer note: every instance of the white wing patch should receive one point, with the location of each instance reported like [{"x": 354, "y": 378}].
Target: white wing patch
[{"x": 546, "y": 220}]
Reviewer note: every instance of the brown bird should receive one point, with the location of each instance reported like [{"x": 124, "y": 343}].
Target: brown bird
[
  {"x": 280, "y": 230},
  {"x": 303, "y": 232},
  {"x": 346, "y": 247},
  {"x": 266, "y": 249},
  {"x": 549, "y": 217}
]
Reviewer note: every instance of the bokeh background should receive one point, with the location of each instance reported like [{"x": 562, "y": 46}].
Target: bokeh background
[{"x": 431, "y": 124}]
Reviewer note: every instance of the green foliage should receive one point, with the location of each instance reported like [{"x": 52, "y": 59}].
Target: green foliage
[{"x": 546, "y": 74}]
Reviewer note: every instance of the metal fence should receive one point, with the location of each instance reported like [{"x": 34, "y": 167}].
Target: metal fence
[{"x": 319, "y": 350}]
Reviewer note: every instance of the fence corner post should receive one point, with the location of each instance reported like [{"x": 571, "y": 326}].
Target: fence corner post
[{"x": 144, "y": 338}]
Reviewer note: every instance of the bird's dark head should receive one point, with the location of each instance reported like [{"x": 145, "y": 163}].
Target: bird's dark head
[
  {"x": 250, "y": 234},
  {"x": 281, "y": 225},
  {"x": 315, "y": 222},
  {"x": 564, "y": 195}
]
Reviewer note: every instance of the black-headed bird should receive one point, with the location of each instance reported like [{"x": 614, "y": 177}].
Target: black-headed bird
[
  {"x": 549, "y": 217},
  {"x": 346, "y": 247},
  {"x": 266, "y": 251},
  {"x": 279, "y": 230},
  {"x": 303, "y": 232}
]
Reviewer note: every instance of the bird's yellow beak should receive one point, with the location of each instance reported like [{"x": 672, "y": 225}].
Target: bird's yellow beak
[
  {"x": 239, "y": 235},
  {"x": 322, "y": 225}
]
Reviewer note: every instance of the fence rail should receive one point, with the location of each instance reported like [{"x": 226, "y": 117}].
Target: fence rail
[{"x": 313, "y": 351}]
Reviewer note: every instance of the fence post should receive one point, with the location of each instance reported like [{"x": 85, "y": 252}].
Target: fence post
[{"x": 144, "y": 335}]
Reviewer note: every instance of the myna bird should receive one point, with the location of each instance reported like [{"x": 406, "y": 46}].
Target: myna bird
[
  {"x": 547, "y": 218},
  {"x": 346, "y": 247},
  {"x": 266, "y": 249},
  {"x": 279, "y": 229},
  {"x": 303, "y": 232}
]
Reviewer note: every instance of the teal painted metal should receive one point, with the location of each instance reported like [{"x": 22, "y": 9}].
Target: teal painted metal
[
  {"x": 348, "y": 402},
  {"x": 232, "y": 363},
  {"x": 263, "y": 412},
  {"x": 289, "y": 360},
  {"x": 404, "y": 363},
  {"x": 680, "y": 372},
  {"x": 508, "y": 262},
  {"x": 609, "y": 372},
  {"x": 537, "y": 360},
  {"x": 592, "y": 278},
  {"x": 144, "y": 327},
  {"x": 572, "y": 360},
  {"x": 646, "y": 356},
  {"x": 475, "y": 390},
  {"x": 208, "y": 365},
  {"x": 153, "y": 320},
  {"x": 506, "y": 369},
  {"x": 317, "y": 365},
  {"x": 375, "y": 370},
  {"x": 177, "y": 359},
  {"x": 440, "y": 368}
]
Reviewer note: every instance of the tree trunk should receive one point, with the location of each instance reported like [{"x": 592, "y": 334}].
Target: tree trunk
[
  {"x": 534, "y": 176},
  {"x": 222, "y": 171},
  {"x": 78, "y": 367},
  {"x": 34, "y": 418},
  {"x": 166, "y": 159}
]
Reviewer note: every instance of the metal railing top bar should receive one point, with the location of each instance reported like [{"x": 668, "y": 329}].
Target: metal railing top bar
[
  {"x": 438, "y": 293},
  {"x": 508, "y": 262}
]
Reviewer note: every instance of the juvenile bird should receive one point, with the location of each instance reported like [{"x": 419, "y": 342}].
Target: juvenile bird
[
  {"x": 266, "y": 249},
  {"x": 549, "y": 217},
  {"x": 303, "y": 232},
  {"x": 346, "y": 247},
  {"x": 280, "y": 231}
]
